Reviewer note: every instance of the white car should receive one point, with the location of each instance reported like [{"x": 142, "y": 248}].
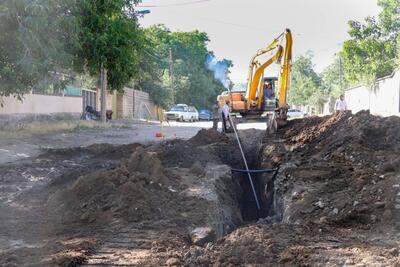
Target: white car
[
  {"x": 295, "y": 114},
  {"x": 182, "y": 112}
]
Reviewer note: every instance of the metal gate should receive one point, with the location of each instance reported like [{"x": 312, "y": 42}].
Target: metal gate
[{"x": 89, "y": 99}]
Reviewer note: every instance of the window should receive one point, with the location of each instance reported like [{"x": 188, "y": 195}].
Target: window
[{"x": 177, "y": 108}]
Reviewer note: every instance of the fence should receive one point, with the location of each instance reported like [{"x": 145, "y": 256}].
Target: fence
[
  {"x": 41, "y": 104},
  {"x": 89, "y": 99}
]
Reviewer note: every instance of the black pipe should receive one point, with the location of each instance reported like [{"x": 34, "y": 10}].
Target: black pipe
[{"x": 256, "y": 171}]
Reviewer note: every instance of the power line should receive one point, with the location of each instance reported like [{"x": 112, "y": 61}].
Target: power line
[{"x": 177, "y": 4}]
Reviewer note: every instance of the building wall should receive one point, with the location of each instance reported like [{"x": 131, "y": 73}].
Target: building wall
[
  {"x": 383, "y": 100},
  {"x": 41, "y": 104},
  {"x": 358, "y": 98},
  {"x": 143, "y": 106},
  {"x": 128, "y": 103}
]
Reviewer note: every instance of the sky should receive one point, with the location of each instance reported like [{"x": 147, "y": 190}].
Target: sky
[{"x": 237, "y": 29}]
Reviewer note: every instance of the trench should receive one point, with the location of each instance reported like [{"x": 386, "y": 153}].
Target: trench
[
  {"x": 264, "y": 185},
  {"x": 264, "y": 189}
]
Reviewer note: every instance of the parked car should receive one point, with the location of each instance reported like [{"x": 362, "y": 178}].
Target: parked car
[
  {"x": 205, "y": 115},
  {"x": 182, "y": 112},
  {"x": 295, "y": 114}
]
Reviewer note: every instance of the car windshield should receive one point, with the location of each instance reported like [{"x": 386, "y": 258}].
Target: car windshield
[
  {"x": 177, "y": 108},
  {"x": 203, "y": 111}
]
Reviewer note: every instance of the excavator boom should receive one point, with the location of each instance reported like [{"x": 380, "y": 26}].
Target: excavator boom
[
  {"x": 253, "y": 103},
  {"x": 286, "y": 69}
]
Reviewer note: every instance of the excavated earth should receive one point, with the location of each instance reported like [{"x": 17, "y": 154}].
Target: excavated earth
[{"x": 334, "y": 201}]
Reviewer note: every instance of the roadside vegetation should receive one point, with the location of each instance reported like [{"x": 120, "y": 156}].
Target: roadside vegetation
[
  {"x": 177, "y": 67},
  {"x": 48, "y": 44}
]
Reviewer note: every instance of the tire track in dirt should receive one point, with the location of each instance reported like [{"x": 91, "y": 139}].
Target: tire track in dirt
[{"x": 128, "y": 247}]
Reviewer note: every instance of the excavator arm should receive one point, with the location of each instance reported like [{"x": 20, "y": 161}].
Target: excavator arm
[
  {"x": 251, "y": 104},
  {"x": 256, "y": 85},
  {"x": 286, "y": 69},
  {"x": 256, "y": 70}
]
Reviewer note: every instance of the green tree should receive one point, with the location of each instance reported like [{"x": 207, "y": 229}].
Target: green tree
[
  {"x": 371, "y": 51},
  {"x": 32, "y": 43},
  {"x": 153, "y": 74},
  {"x": 306, "y": 84},
  {"x": 333, "y": 81},
  {"x": 108, "y": 40},
  {"x": 185, "y": 54}
]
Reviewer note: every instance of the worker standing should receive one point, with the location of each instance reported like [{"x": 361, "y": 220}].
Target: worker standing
[
  {"x": 225, "y": 116},
  {"x": 215, "y": 115},
  {"x": 340, "y": 104}
]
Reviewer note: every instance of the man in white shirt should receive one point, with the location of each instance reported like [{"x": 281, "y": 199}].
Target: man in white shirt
[
  {"x": 340, "y": 104},
  {"x": 225, "y": 115}
]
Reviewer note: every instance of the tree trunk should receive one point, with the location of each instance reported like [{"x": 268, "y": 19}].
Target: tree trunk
[{"x": 103, "y": 80}]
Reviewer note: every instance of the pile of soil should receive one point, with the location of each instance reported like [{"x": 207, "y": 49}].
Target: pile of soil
[
  {"x": 165, "y": 187},
  {"x": 206, "y": 137},
  {"x": 206, "y": 146},
  {"x": 336, "y": 198},
  {"x": 342, "y": 170},
  {"x": 139, "y": 190}
]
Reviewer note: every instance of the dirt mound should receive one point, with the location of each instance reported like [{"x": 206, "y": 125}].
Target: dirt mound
[
  {"x": 342, "y": 169},
  {"x": 371, "y": 131},
  {"x": 206, "y": 146},
  {"x": 205, "y": 137},
  {"x": 161, "y": 193},
  {"x": 137, "y": 191},
  {"x": 337, "y": 196},
  {"x": 291, "y": 245}
]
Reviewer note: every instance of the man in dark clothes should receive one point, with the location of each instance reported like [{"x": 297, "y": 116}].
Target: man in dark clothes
[{"x": 215, "y": 115}]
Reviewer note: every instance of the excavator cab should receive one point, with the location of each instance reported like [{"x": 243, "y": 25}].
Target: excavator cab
[{"x": 269, "y": 101}]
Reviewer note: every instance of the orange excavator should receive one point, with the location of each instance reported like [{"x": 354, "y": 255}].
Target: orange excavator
[{"x": 255, "y": 103}]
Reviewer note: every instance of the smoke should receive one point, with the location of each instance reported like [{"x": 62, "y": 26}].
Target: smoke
[{"x": 220, "y": 69}]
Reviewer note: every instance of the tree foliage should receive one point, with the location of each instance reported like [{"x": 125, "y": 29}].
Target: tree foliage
[
  {"x": 333, "y": 81},
  {"x": 372, "y": 49},
  {"x": 108, "y": 35},
  {"x": 306, "y": 83},
  {"x": 41, "y": 38},
  {"x": 191, "y": 81},
  {"x": 32, "y": 42}
]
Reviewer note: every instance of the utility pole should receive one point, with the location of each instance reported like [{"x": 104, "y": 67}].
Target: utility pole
[
  {"x": 103, "y": 93},
  {"x": 340, "y": 74},
  {"x": 171, "y": 75}
]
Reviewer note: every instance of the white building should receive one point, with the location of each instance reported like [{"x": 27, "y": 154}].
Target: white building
[{"x": 383, "y": 100}]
